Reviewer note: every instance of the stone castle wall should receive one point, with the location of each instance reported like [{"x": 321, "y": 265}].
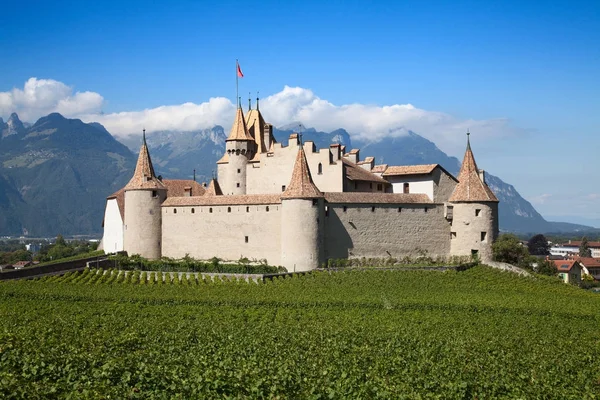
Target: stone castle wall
[
  {"x": 222, "y": 233},
  {"x": 469, "y": 225},
  {"x": 381, "y": 230},
  {"x": 142, "y": 230}
]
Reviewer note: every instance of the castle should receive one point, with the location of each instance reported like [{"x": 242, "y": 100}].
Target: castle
[{"x": 297, "y": 206}]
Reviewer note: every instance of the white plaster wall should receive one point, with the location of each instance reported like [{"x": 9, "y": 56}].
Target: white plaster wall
[
  {"x": 112, "y": 240},
  {"x": 385, "y": 232},
  {"x": 416, "y": 185},
  {"x": 275, "y": 171},
  {"x": 204, "y": 235}
]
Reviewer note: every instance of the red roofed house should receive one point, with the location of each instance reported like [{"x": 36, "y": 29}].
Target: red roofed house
[
  {"x": 569, "y": 270},
  {"x": 590, "y": 266}
]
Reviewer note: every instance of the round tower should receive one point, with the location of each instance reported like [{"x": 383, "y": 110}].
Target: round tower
[
  {"x": 475, "y": 212},
  {"x": 239, "y": 148},
  {"x": 302, "y": 220},
  {"x": 144, "y": 195}
]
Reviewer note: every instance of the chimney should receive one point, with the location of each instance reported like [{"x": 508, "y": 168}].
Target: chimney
[
  {"x": 482, "y": 175},
  {"x": 353, "y": 156},
  {"x": 187, "y": 191},
  {"x": 335, "y": 150}
]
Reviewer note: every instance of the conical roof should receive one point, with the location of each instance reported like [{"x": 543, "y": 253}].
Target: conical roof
[
  {"x": 213, "y": 189},
  {"x": 144, "y": 177},
  {"x": 256, "y": 127},
  {"x": 470, "y": 186},
  {"x": 301, "y": 186},
  {"x": 239, "y": 131}
]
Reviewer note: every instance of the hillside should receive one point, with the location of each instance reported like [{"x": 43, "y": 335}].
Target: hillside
[
  {"x": 481, "y": 333},
  {"x": 55, "y": 175}
]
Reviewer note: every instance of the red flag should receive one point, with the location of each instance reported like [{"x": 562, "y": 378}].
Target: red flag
[{"x": 239, "y": 70}]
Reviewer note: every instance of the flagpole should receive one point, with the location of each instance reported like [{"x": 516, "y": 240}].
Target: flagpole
[{"x": 236, "y": 82}]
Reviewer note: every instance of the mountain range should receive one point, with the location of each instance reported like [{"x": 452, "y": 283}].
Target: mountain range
[{"x": 55, "y": 174}]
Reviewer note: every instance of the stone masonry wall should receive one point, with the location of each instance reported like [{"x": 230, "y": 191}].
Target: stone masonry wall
[{"x": 382, "y": 231}]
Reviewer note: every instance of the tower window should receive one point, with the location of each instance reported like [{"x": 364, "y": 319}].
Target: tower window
[
  {"x": 239, "y": 171},
  {"x": 315, "y": 202},
  {"x": 320, "y": 169},
  {"x": 237, "y": 184},
  {"x": 399, "y": 209},
  {"x": 193, "y": 211},
  {"x": 355, "y": 185},
  {"x": 283, "y": 188},
  {"x": 452, "y": 235},
  {"x": 154, "y": 193},
  {"x": 246, "y": 239},
  {"x": 228, "y": 209},
  {"x": 372, "y": 209},
  {"x": 370, "y": 185},
  {"x": 483, "y": 237},
  {"x": 425, "y": 209},
  {"x": 267, "y": 208},
  {"x": 477, "y": 212},
  {"x": 174, "y": 211},
  {"x": 327, "y": 211},
  {"x": 379, "y": 187},
  {"x": 406, "y": 188},
  {"x": 247, "y": 209},
  {"x": 210, "y": 210},
  {"x": 345, "y": 208}
]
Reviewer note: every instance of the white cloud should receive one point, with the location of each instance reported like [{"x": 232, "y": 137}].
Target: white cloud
[
  {"x": 40, "y": 97},
  {"x": 368, "y": 122}
]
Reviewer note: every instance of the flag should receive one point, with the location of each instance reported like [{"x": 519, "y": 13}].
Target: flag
[{"x": 239, "y": 70}]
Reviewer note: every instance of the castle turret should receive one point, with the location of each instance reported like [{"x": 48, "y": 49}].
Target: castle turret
[
  {"x": 144, "y": 195},
  {"x": 475, "y": 212},
  {"x": 261, "y": 132},
  {"x": 302, "y": 206},
  {"x": 239, "y": 148}
]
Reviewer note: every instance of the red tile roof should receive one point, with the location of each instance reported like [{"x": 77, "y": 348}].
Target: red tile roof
[
  {"x": 577, "y": 243},
  {"x": 356, "y": 173},
  {"x": 176, "y": 187},
  {"x": 470, "y": 186},
  {"x": 564, "y": 265},
  {"x": 144, "y": 177},
  {"x": 377, "y": 198},
  {"x": 301, "y": 185},
  {"x": 409, "y": 170}
]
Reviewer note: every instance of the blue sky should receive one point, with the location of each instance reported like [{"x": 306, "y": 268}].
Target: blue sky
[{"x": 535, "y": 65}]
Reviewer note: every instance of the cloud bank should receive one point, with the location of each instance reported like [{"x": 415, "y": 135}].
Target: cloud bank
[{"x": 366, "y": 122}]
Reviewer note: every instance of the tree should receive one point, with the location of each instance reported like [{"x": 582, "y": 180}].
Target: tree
[
  {"x": 546, "y": 267},
  {"x": 60, "y": 240},
  {"x": 584, "y": 248},
  {"x": 538, "y": 245},
  {"x": 508, "y": 248}
]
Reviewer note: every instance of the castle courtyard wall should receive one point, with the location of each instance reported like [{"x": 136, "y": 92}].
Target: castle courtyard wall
[
  {"x": 386, "y": 230},
  {"x": 221, "y": 233}
]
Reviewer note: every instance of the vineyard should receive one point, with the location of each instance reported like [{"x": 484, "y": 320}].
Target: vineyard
[{"x": 480, "y": 333}]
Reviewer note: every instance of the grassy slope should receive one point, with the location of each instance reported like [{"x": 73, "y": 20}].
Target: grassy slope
[{"x": 478, "y": 333}]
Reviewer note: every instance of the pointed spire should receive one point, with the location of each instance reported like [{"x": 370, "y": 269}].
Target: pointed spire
[
  {"x": 470, "y": 186},
  {"x": 239, "y": 131},
  {"x": 144, "y": 176},
  {"x": 213, "y": 189},
  {"x": 301, "y": 185}
]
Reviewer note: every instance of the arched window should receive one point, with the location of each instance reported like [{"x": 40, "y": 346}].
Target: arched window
[{"x": 320, "y": 169}]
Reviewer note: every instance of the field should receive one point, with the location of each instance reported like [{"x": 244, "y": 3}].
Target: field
[{"x": 480, "y": 333}]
